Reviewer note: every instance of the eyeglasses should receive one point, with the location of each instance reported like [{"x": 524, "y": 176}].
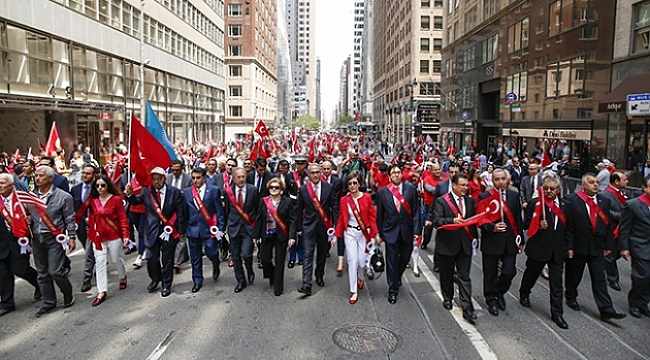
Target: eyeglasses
[
  {"x": 353, "y": 183},
  {"x": 274, "y": 187},
  {"x": 315, "y": 172},
  {"x": 549, "y": 188},
  {"x": 99, "y": 186}
]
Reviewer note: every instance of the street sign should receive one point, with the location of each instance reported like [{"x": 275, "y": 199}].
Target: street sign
[
  {"x": 515, "y": 107},
  {"x": 468, "y": 123},
  {"x": 511, "y": 98},
  {"x": 638, "y": 105},
  {"x": 465, "y": 115}
]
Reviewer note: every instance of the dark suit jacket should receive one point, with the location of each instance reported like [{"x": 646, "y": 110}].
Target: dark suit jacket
[
  {"x": 173, "y": 204},
  {"x": 236, "y": 225},
  {"x": 549, "y": 243},
  {"x": 218, "y": 181},
  {"x": 579, "y": 234},
  {"x": 615, "y": 209},
  {"x": 286, "y": 212},
  {"x": 61, "y": 182},
  {"x": 262, "y": 190},
  {"x": 516, "y": 177},
  {"x": 8, "y": 242},
  {"x": 493, "y": 243},
  {"x": 308, "y": 220},
  {"x": 391, "y": 223},
  {"x": 186, "y": 180},
  {"x": 452, "y": 242},
  {"x": 635, "y": 229},
  {"x": 196, "y": 224},
  {"x": 525, "y": 188},
  {"x": 294, "y": 190},
  {"x": 442, "y": 188},
  {"x": 76, "y": 197}
]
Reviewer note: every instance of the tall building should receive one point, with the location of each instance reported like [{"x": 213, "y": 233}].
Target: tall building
[
  {"x": 554, "y": 56},
  {"x": 365, "y": 81},
  {"x": 407, "y": 68},
  {"x": 302, "y": 35},
  {"x": 359, "y": 21},
  {"x": 318, "y": 114},
  {"x": 344, "y": 90},
  {"x": 78, "y": 63},
  {"x": 285, "y": 80},
  {"x": 251, "y": 59}
]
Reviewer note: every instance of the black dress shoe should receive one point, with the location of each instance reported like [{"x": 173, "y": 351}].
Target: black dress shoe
[
  {"x": 251, "y": 278},
  {"x": 320, "y": 282},
  {"x": 165, "y": 292},
  {"x": 177, "y": 268},
  {"x": 524, "y": 301},
  {"x": 392, "y": 299},
  {"x": 615, "y": 286},
  {"x": 216, "y": 272},
  {"x": 240, "y": 286},
  {"x": 469, "y": 315},
  {"x": 277, "y": 293},
  {"x": 291, "y": 264},
  {"x": 153, "y": 286},
  {"x": 493, "y": 310},
  {"x": 447, "y": 304},
  {"x": 573, "y": 304},
  {"x": 68, "y": 301},
  {"x": 559, "y": 321},
  {"x": 86, "y": 286},
  {"x": 44, "y": 310},
  {"x": 644, "y": 310},
  {"x": 6, "y": 311},
  {"x": 37, "y": 294},
  {"x": 635, "y": 312},
  {"x": 196, "y": 288},
  {"x": 305, "y": 290},
  {"x": 423, "y": 247},
  {"x": 501, "y": 303},
  {"x": 611, "y": 315},
  {"x": 436, "y": 269},
  {"x": 300, "y": 262}
]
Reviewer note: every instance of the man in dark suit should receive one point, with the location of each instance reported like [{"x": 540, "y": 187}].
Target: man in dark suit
[
  {"x": 633, "y": 242},
  {"x": 206, "y": 223},
  {"x": 529, "y": 184},
  {"x": 399, "y": 224},
  {"x": 617, "y": 196},
  {"x": 444, "y": 187},
  {"x": 517, "y": 172},
  {"x": 180, "y": 180},
  {"x": 221, "y": 181},
  {"x": 298, "y": 179},
  {"x": 546, "y": 246},
  {"x": 260, "y": 177},
  {"x": 590, "y": 237},
  {"x": 455, "y": 247},
  {"x": 12, "y": 262},
  {"x": 501, "y": 241},
  {"x": 286, "y": 176},
  {"x": 316, "y": 196},
  {"x": 161, "y": 201},
  {"x": 80, "y": 193},
  {"x": 242, "y": 208}
]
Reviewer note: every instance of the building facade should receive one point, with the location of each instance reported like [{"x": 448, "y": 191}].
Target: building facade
[
  {"x": 251, "y": 60},
  {"x": 302, "y": 41},
  {"x": 78, "y": 63}
]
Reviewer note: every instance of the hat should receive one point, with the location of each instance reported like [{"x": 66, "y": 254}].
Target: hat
[
  {"x": 576, "y": 158},
  {"x": 300, "y": 158},
  {"x": 607, "y": 162},
  {"x": 158, "y": 170}
]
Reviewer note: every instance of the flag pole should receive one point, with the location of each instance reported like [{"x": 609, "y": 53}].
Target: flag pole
[
  {"x": 128, "y": 176},
  {"x": 542, "y": 200}
]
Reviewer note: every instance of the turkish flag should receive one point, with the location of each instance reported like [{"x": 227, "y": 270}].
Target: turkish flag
[
  {"x": 258, "y": 151},
  {"x": 53, "y": 142},
  {"x": 19, "y": 227},
  {"x": 145, "y": 153},
  {"x": 546, "y": 161},
  {"x": 537, "y": 214},
  {"x": 261, "y": 129}
]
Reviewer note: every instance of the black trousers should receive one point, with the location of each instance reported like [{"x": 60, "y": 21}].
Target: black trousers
[
  {"x": 496, "y": 284},
  {"x": 462, "y": 263},
  {"x": 14, "y": 264},
  {"x": 555, "y": 270},
  {"x": 639, "y": 295},
  {"x": 273, "y": 266},
  {"x": 397, "y": 257},
  {"x": 160, "y": 261},
  {"x": 428, "y": 230},
  {"x": 317, "y": 243},
  {"x": 575, "y": 268},
  {"x": 611, "y": 268}
]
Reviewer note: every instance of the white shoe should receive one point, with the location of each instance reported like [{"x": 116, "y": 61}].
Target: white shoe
[{"x": 138, "y": 262}]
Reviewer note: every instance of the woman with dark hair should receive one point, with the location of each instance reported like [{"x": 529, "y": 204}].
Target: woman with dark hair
[
  {"x": 357, "y": 225},
  {"x": 277, "y": 232},
  {"x": 475, "y": 186},
  {"x": 108, "y": 229}
]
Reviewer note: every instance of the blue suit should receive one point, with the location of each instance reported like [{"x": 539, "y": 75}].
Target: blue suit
[
  {"x": 198, "y": 231},
  {"x": 240, "y": 232}
]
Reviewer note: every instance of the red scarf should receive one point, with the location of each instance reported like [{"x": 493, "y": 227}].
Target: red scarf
[
  {"x": 210, "y": 220},
  {"x": 246, "y": 216},
  {"x": 393, "y": 189},
  {"x": 594, "y": 210},
  {"x": 318, "y": 206},
  {"x": 274, "y": 213}
]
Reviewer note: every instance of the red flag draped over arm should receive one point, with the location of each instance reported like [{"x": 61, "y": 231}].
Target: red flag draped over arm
[
  {"x": 146, "y": 153},
  {"x": 533, "y": 228}
]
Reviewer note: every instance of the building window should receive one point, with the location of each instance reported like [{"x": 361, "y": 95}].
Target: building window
[
  {"x": 426, "y": 3},
  {"x": 490, "y": 7},
  {"x": 424, "y": 44},
  {"x": 425, "y": 22},
  {"x": 235, "y": 30},
  {"x": 235, "y": 50},
  {"x": 424, "y": 66},
  {"x": 641, "y": 28},
  {"x": 235, "y": 111},
  {"x": 437, "y": 22},
  {"x": 234, "y": 9},
  {"x": 437, "y": 66},
  {"x": 518, "y": 84},
  {"x": 235, "y": 91},
  {"x": 437, "y": 3},
  {"x": 235, "y": 70},
  {"x": 437, "y": 44},
  {"x": 518, "y": 35},
  {"x": 489, "y": 48}
]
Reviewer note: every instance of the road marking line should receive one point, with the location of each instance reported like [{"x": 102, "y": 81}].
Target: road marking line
[{"x": 160, "y": 349}]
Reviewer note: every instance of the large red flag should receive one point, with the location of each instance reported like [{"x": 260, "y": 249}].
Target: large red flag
[
  {"x": 546, "y": 161},
  {"x": 53, "y": 142},
  {"x": 487, "y": 211},
  {"x": 145, "y": 153},
  {"x": 537, "y": 214},
  {"x": 261, "y": 129},
  {"x": 19, "y": 227},
  {"x": 258, "y": 151}
]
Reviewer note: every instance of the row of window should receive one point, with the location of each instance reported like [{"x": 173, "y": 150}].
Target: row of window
[
  {"x": 195, "y": 18},
  {"x": 424, "y": 66},
  {"x": 425, "y": 22}
]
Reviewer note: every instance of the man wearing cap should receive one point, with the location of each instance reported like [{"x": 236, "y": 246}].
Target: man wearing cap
[
  {"x": 603, "y": 175},
  {"x": 166, "y": 223}
]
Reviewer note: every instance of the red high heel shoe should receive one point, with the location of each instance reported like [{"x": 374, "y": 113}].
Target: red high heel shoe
[
  {"x": 354, "y": 298},
  {"x": 98, "y": 300},
  {"x": 360, "y": 284}
]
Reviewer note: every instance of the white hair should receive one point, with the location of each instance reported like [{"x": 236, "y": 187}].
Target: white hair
[
  {"x": 49, "y": 172},
  {"x": 7, "y": 177}
]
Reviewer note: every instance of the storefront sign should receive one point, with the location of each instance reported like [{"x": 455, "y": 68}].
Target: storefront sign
[
  {"x": 560, "y": 134},
  {"x": 614, "y": 106},
  {"x": 105, "y": 116}
]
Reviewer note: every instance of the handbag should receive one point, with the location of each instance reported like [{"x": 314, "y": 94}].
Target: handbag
[{"x": 377, "y": 261}]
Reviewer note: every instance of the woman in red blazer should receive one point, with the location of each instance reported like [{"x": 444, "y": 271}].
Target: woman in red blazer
[
  {"x": 357, "y": 234},
  {"x": 108, "y": 228}
]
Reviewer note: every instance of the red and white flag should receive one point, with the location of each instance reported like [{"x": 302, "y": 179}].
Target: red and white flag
[
  {"x": 19, "y": 227},
  {"x": 261, "y": 129},
  {"x": 53, "y": 142},
  {"x": 17, "y": 155},
  {"x": 27, "y": 198},
  {"x": 30, "y": 154}
]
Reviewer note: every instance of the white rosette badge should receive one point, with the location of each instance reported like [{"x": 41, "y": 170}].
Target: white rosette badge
[
  {"x": 23, "y": 242},
  {"x": 214, "y": 231},
  {"x": 63, "y": 240},
  {"x": 167, "y": 231},
  {"x": 330, "y": 234}
]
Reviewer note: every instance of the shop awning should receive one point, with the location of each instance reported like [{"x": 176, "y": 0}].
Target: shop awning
[{"x": 616, "y": 101}]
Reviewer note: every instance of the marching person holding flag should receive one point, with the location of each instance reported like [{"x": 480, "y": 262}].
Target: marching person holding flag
[
  {"x": 546, "y": 224},
  {"x": 14, "y": 246}
]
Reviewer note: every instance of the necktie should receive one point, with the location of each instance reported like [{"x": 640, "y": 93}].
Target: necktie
[
  {"x": 257, "y": 184},
  {"x": 460, "y": 207},
  {"x": 503, "y": 195},
  {"x": 159, "y": 198},
  {"x": 398, "y": 205},
  {"x": 85, "y": 193},
  {"x": 316, "y": 191},
  {"x": 592, "y": 215},
  {"x": 177, "y": 182},
  {"x": 240, "y": 198}
]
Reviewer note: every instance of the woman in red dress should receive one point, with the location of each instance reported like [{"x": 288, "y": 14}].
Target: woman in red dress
[{"x": 475, "y": 186}]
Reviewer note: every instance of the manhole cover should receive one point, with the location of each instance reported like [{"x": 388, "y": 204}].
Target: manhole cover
[{"x": 364, "y": 339}]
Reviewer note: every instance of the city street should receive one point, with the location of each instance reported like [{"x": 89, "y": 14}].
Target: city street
[{"x": 216, "y": 323}]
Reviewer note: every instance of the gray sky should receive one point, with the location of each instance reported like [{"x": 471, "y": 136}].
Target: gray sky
[{"x": 334, "y": 43}]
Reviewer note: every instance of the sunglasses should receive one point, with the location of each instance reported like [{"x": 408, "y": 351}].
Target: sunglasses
[
  {"x": 549, "y": 188},
  {"x": 353, "y": 183},
  {"x": 99, "y": 186},
  {"x": 274, "y": 187}
]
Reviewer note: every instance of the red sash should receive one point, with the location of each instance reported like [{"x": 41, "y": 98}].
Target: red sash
[
  {"x": 297, "y": 180},
  {"x": 401, "y": 199},
  {"x": 226, "y": 179},
  {"x": 355, "y": 210},
  {"x": 211, "y": 221},
  {"x": 617, "y": 193},
  {"x": 506, "y": 210},
  {"x": 454, "y": 209},
  {"x": 318, "y": 206},
  {"x": 594, "y": 210},
  {"x": 323, "y": 178},
  {"x": 49, "y": 224},
  {"x": 556, "y": 210},
  {"x": 82, "y": 210},
  {"x": 239, "y": 209},
  {"x": 274, "y": 213},
  {"x": 163, "y": 218},
  {"x": 645, "y": 199}
]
